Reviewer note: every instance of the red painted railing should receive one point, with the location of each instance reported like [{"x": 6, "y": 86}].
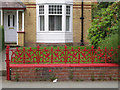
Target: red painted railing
[
  {"x": 52, "y": 56},
  {"x": 59, "y": 57}
]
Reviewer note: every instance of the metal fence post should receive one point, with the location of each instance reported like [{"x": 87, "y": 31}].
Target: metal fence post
[
  {"x": 7, "y": 63},
  {"x": 51, "y": 55},
  {"x": 37, "y": 54},
  {"x": 24, "y": 55},
  {"x": 65, "y": 55}
]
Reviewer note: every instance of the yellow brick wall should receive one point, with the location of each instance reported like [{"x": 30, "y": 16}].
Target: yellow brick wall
[
  {"x": 76, "y": 25},
  {"x": 30, "y": 22},
  {"x": 21, "y": 39},
  {"x": 77, "y": 21},
  {"x": 87, "y": 23}
]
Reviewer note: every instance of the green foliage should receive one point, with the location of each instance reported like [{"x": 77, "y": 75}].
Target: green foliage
[
  {"x": 104, "y": 24},
  {"x": 2, "y": 46},
  {"x": 115, "y": 79},
  {"x": 119, "y": 36},
  {"x": 53, "y": 77},
  {"x": 110, "y": 77},
  {"x": 92, "y": 77},
  {"x": 71, "y": 75},
  {"x": 96, "y": 8},
  {"x": 38, "y": 69},
  {"x": 109, "y": 42},
  {"x": 103, "y": 76},
  {"x": 17, "y": 77},
  {"x": 3, "y": 42}
]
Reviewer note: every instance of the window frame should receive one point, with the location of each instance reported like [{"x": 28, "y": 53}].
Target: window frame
[
  {"x": 54, "y": 15},
  {"x": 46, "y": 17},
  {"x": 43, "y": 14},
  {"x": 68, "y": 15}
]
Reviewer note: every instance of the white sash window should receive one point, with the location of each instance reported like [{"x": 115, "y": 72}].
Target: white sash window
[
  {"x": 54, "y": 17},
  {"x": 54, "y": 21}
]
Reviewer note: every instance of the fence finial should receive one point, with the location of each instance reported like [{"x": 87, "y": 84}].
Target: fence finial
[
  {"x": 38, "y": 47},
  {"x": 65, "y": 47},
  {"x": 52, "y": 49},
  {"x": 8, "y": 47},
  {"x": 105, "y": 49},
  {"x": 92, "y": 47},
  {"x": 111, "y": 49}
]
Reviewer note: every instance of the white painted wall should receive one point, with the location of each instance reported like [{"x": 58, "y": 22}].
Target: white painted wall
[
  {"x": 68, "y": 37},
  {"x": 54, "y": 37}
]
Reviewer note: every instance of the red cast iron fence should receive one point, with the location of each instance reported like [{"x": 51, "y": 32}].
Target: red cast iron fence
[{"x": 61, "y": 57}]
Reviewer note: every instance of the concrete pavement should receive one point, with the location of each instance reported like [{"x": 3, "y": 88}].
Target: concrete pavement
[
  {"x": 59, "y": 84},
  {"x": 2, "y": 60}
]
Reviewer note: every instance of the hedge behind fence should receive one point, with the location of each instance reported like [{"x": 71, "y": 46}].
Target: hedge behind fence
[{"x": 2, "y": 46}]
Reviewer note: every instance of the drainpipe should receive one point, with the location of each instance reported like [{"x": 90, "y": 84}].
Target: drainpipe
[{"x": 82, "y": 18}]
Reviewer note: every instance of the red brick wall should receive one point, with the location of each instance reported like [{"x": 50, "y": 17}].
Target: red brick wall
[{"x": 64, "y": 73}]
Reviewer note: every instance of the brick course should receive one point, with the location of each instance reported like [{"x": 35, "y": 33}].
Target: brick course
[{"x": 65, "y": 73}]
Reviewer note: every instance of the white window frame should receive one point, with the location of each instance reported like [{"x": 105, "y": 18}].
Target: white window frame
[{"x": 46, "y": 17}]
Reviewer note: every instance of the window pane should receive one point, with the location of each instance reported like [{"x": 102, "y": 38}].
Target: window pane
[
  {"x": 41, "y": 23},
  {"x": 67, "y": 9},
  {"x": 55, "y": 23},
  {"x": 67, "y": 23},
  {"x": 51, "y": 23},
  {"x": 55, "y": 9},
  {"x": 8, "y": 20},
  {"x": 41, "y": 9}
]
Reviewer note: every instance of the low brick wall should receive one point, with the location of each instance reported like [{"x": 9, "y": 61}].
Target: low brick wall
[{"x": 64, "y": 73}]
